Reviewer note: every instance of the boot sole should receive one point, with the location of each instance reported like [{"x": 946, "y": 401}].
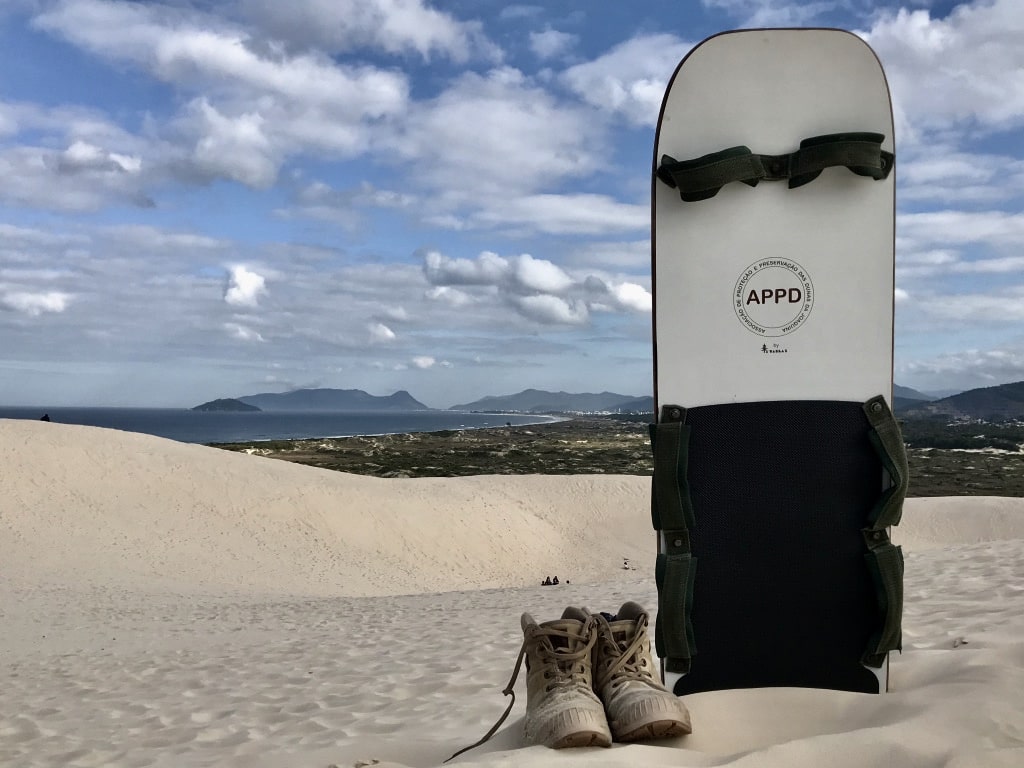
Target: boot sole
[
  {"x": 582, "y": 739},
  {"x": 578, "y": 728},
  {"x": 657, "y": 729}
]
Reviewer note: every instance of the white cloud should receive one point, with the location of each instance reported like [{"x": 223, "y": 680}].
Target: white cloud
[
  {"x": 205, "y": 51},
  {"x": 953, "y": 227},
  {"x": 552, "y": 309},
  {"x": 395, "y": 26},
  {"x": 630, "y": 79},
  {"x": 539, "y": 275},
  {"x": 244, "y": 287},
  {"x": 397, "y": 314},
  {"x": 8, "y": 121},
  {"x": 632, "y": 255},
  {"x": 453, "y": 297},
  {"x": 487, "y": 269},
  {"x": 551, "y": 42},
  {"x": 941, "y": 267},
  {"x": 84, "y": 156},
  {"x": 254, "y": 105},
  {"x": 1004, "y": 265},
  {"x": 942, "y": 173},
  {"x": 35, "y": 304},
  {"x": 423, "y": 362},
  {"x": 633, "y": 296},
  {"x": 932, "y": 257},
  {"x": 566, "y": 214},
  {"x": 618, "y": 296},
  {"x": 150, "y": 238},
  {"x": 380, "y": 333},
  {"x": 490, "y": 138},
  {"x": 1003, "y": 307},
  {"x": 522, "y": 273},
  {"x": 772, "y": 13},
  {"x": 537, "y": 289},
  {"x": 966, "y": 68},
  {"x": 72, "y": 158},
  {"x": 236, "y": 148},
  {"x": 900, "y": 296},
  {"x": 968, "y": 368},
  {"x": 244, "y": 333}
]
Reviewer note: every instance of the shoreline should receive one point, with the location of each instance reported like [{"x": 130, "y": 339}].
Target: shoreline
[
  {"x": 215, "y": 427},
  {"x": 551, "y": 420}
]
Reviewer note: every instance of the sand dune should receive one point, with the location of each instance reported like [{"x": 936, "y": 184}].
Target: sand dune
[
  {"x": 174, "y": 605},
  {"x": 117, "y": 507}
]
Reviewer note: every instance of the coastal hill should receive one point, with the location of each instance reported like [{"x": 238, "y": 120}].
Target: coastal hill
[
  {"x": 540, "y": 401},
  {"x": 226, "y": 404},
  {"x": 1002, "y": 403},
  {"x": 333, "y": 400},
  {"x": 905, "y": 398}
]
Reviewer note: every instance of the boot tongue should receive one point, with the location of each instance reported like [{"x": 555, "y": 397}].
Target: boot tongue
[
  {"x": 623, "y": 633},
  {"x": 571, "y": 626},
  {"x": 624, "y": 625},
  {"x": 629, "y": 611}
]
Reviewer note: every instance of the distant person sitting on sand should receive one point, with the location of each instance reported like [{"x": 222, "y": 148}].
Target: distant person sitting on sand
[
  {"x": 46, "y": 417},
  {"x": 554, "y": 580},
  {"x": 546, "y": 582}
]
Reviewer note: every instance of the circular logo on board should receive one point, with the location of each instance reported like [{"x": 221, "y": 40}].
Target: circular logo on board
[{"x": 773, "y": 297}]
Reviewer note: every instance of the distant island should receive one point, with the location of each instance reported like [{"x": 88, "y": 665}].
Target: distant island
[
  {"x": 306, "y": 400},
  {"x": 226, "y": 404}
]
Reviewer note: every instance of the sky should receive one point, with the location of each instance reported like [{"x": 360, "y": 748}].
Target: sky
[{"x": 207, "y": 199}]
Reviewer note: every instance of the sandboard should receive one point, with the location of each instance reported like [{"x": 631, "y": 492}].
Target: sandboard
[{"x": 778, "y": 466}]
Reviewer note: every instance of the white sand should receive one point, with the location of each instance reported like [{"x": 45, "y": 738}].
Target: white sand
[{"x": 174, "y": 605}]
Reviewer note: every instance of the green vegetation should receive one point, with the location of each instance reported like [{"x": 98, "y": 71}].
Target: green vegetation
[
  {"x": 940, "y": 433},
  {"x": 620, "y": 445}
]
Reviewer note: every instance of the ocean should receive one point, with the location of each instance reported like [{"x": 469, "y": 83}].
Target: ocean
[{"x": 189, "y": 426}]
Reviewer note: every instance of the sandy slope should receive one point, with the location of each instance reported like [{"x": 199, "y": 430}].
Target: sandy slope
[
  {"x": 175, "y": 605},
  {"x": 123, "y": 508}
]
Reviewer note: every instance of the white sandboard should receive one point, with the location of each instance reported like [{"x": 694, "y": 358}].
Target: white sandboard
[{"x": 767, "y": 293}]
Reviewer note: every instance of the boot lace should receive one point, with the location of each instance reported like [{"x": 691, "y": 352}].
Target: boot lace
[
  {"x": 630, "y": 662},
  {"x": 564, "y": 665}
]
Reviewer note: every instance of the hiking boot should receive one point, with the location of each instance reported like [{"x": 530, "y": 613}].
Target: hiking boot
[
  {"x": 637, "y": 704},
  {"x": 562, "y": 709}
]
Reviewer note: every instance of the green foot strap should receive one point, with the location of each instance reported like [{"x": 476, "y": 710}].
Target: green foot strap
[
  {"x": 884, "y": 559},
  {"x": 702, "y": 177},
  {"x": 888, "y": 444},
  {"x": 860, "y": 152},
  {"x": 672, "y": 517},
  {"x": 885, "y": 563}
]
